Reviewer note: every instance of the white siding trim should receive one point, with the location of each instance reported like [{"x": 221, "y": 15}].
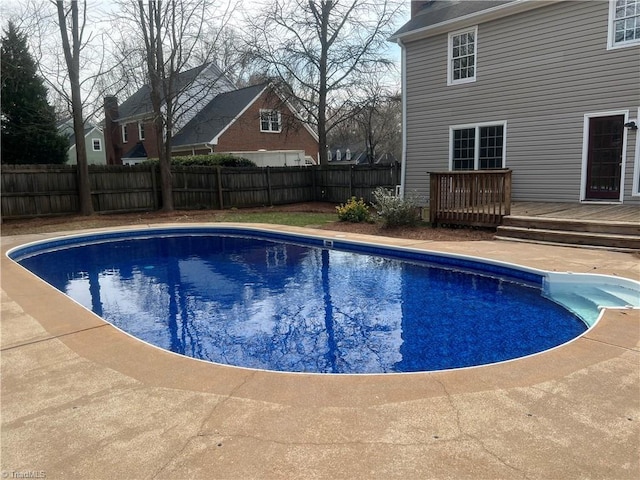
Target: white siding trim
[
  {"x": 585, "y": 152},
  {"x": 450, "y": 80},
  {"x": 611, "y": 31},
  {"x": 477, "y": 127},
  {"x": 635, "y": 188},
  {"x": 269, "y": 112},
  {"x": 403, "y": 79}
]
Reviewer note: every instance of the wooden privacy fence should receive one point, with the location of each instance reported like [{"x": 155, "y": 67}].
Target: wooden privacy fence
[
  {"x": 475, "y": 198},
  {"x": 44, "y": 190}
]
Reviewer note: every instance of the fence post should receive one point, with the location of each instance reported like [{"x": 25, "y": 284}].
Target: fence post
[
  {"x": 351, "y": 173},
  {"x": 269, "y": 186},
  {"x": 434, "y": 194},
  {"x": 219, "y": 180},
  {"x": 154, "y": 186},
  {"x": 314, "y": 182},
  {"x": 507, "y": 192}
]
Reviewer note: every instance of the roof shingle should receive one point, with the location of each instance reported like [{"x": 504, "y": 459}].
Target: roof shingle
[{"x": 213, "y": 118}]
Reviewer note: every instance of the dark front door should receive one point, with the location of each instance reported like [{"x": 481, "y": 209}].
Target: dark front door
[{"x": 604, "y": 161}]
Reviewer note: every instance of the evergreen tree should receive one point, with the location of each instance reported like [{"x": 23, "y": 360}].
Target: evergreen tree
[{"x": 28, "y": 127}]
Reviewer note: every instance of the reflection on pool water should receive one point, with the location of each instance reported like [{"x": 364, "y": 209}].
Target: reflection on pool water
[{"x": 288, "y": 304}]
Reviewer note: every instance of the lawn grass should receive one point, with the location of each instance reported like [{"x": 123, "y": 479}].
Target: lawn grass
[{"x": 296, "y": 219}]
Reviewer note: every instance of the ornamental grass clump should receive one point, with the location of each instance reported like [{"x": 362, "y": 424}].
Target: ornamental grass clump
[
  {"x": 396, "y": 211},
  {"x": 354, "y": 211}
]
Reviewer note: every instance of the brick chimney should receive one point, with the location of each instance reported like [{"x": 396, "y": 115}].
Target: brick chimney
[{"x": 112, "y": 141}]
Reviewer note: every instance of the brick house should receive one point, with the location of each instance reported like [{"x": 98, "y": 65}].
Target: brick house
[{"x": 219, "y": 119}]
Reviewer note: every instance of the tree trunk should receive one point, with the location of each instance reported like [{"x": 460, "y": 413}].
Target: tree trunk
[
  {"x": 72, "y": 58},
  {"x": 166, "y": 186},
  {"x": 152, "y": 32},
  {"x": 322, "y": 87}
]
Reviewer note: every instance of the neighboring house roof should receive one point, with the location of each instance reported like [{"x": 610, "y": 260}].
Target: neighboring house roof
[
  {"x": 139, "y": 104},
  {"x": 358, "y": 154},
  {"x": 445, "y": 13},
  {"x": 138, "y": 151},
  {"x": 87, "y": 130},
  {"x": 216, "y": 116}
]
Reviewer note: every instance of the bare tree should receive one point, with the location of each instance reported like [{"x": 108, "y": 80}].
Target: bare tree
[
  {"x": 375, "y": 124},
  {"x": 379, "y": 121},
  {"x": 172, "y": 34},
  {"x": 96, "y": 60},
  {"x": 70, "y": 23},
  {"x": 323, "y": 49}
]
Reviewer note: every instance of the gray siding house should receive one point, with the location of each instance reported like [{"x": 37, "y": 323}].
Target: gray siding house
[
  {"x": 548, "y": 89},
  {"x": 93, "y": 139}
]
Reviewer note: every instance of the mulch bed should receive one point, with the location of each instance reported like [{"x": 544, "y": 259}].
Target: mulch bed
[{"x": 77, "y": 222}]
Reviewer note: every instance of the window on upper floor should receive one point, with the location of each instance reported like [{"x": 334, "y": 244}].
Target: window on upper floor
[
  {"x": 462, "y": 52},
  {"x": 624, "y": 23},
  {"x": 140, "y": 131},
  {"x": 97, "y": 144},
  {"x": 125, "y": 134},
  {"x": 270, "y": 121},
  {"x": 478, "y": 147}
]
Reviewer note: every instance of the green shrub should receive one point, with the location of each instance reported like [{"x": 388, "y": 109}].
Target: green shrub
[
  {"x": 394, "y": 210},
  {"x": 213, "y": 160},
  {"x": 354, "y": 211}
]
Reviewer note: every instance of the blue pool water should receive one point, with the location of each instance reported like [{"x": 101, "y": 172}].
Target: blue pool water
[{"x": 279, "y": 303}]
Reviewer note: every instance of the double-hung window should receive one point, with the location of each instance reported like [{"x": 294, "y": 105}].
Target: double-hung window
[
  {"x": 125, "y": 134},
  {"x": 478, "y": 147},
  {"x": 140, "y": 131},
  {"x": 270, "y": 121},
  {"x": 624, "y": 23},
  {"x": 97, "y": 144},
  {"x": 462, "y": 53}
]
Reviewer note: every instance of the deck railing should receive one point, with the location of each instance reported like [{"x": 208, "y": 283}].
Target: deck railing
[{"x": 474, "y": 198}]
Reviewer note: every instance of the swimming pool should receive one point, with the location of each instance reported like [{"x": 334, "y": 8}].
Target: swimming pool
[{"x": 261, "y": 299}]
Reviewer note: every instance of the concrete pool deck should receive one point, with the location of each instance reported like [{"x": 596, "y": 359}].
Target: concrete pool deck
[{"x": 81, "y": 399}]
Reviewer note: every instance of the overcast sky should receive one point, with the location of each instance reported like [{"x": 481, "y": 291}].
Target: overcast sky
[{"x": 9, "y": 9}]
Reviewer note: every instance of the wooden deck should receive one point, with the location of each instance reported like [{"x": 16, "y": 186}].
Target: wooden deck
[
  {"x": 609, "y": 226},
  {"x": 577, "y": 211}
]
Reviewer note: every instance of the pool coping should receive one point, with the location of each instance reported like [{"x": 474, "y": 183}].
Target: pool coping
[{"x": 616, "y": 338}]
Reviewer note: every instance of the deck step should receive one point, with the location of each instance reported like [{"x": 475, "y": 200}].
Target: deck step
[
  {"x": 571, "y": 236},
  {"x": 599, "y": 226}
]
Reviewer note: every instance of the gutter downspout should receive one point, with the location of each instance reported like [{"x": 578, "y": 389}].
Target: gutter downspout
[{"x": 403, "y": 78}]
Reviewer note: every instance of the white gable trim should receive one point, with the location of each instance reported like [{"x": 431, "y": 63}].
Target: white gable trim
[
  {"x": 94, "y": 129},
  {"x": 511, "y": 8},
  {"x": 297, "y": 115},
  {"x": 214, "y": 140}
]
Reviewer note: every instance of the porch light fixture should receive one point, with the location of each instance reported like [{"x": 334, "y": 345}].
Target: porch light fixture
[{"x": 631, "y": 125}]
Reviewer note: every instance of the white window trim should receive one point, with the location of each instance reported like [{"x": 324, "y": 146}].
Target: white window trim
[
  {"x": 611, "y": 43},
  {"x": 141, "y": 131},
  {"x": 450, "y": 80},
  {"x": 124, "y": 133},
  {"x": 269, "y": 111},
  {"x": 93, "y": 145},
  {"x": 476, "y": 155},
  {"x": 585, "y": 153},
  {"x": 635, "y": 191}
]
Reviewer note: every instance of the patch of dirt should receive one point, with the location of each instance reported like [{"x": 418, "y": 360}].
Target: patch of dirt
[
  {"x": 78, "y": 222},
  {"x": 422, "y": 232}
]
